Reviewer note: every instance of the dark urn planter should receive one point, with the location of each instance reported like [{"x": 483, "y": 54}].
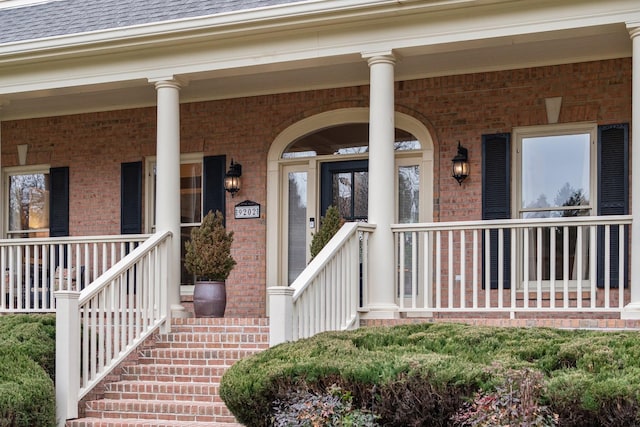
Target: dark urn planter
[{"x": 209, "y": 299}]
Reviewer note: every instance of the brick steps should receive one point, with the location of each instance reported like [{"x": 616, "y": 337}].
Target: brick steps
[{"x": 176, "y": 378}]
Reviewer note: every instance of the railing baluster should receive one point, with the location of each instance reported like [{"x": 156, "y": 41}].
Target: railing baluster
[
  {"x": 438, "y": 270},
  {"x": 525, "y": 267},
  {"x": 539, "y": 266},
  {"x": 487, "y": 266},
  {"x": 514, "y": 286},
  {"x": 427, "y": 288},
  {"x": 592, "y": 263},
  {"x": 463, "y": 269},
  {"x": 607, "y": 269},
  {"x": 414, "y": 270},
  {"x": 476, "y": 256},
  {"x": 401, "y": 263},
  {"x": 500, "y": 266},
  {"x": 622, "y": 241},
  {"x": 552, "y": 267},
  {"x": 565, "y": 262},
  {"x": 450, "y": 270},
  {"x": 579, "y": 243}
]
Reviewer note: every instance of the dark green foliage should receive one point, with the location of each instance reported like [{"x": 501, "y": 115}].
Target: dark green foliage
[
  {"x": 329, "y": 226},
  {"x": 33, "y": 335},
  {"x": 208, "y": 252},
  {"x": 27, "y": 348},
  {"x": 422, "y": 374}
]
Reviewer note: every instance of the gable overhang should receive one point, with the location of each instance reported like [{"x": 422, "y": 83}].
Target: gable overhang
[{"x": 302, "y": 46}]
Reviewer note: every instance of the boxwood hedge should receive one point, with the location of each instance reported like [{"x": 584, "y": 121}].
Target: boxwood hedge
[
  {"x": 27, "y": 356},
  {"x": 422, "y": 374}
]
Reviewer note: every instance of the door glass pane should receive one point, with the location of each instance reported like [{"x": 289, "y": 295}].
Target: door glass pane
[
  {"x": 297, "y": 220},
  {"x": 555, "y": 171},
  {"x": 408, "y": 194},
  {"x": 28, "y": 203},
  {"x": 360, "y": 195},
  {"x": 342, "y": 193},
  {"x": 190, "y": 193},
  {"x": 408, "y": 212}
]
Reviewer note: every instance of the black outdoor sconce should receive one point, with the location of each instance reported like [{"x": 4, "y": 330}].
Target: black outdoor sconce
[
  {"x": 232, "y": 178},
  {"x": 460, "y": 166}
]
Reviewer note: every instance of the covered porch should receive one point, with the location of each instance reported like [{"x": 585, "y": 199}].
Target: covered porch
[{"x": 114, "y": 115}]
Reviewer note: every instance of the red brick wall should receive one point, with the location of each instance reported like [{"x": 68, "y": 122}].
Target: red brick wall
[{"x": 454, "y": 108}]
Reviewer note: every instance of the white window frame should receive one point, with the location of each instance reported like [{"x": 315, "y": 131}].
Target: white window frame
[
  {"x": 520, "y": 133},
  {"x": 150, "y": 167},
  {"x": 8, "y": 172}
]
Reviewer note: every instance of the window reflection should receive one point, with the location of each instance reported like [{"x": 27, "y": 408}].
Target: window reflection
[{"x": 28, "y": 204}]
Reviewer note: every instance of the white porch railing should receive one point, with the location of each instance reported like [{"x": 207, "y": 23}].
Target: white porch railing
[
  {"x": 326, "y": 296},
  {"x": 575, "y": 264},
  {"x": 34, "y": 268},
  {"x": 99, "y": 326}
]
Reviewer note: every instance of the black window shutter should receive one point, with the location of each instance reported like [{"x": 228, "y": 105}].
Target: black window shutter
[
  {"x": 131, "y": 198},
  {"x": 59, "y": 202},
  {"x": 213, "y": 184},
  {"x": 496, "y": 196},
  {"x": 613, "y": 195}
]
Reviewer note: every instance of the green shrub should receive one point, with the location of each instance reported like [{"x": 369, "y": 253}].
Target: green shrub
[
  {"x": 329, "y": 226},
  {"x": 422, "y": 374},
  {"x": 33, "y": 335},
  {"x": 27, "y": 394}
]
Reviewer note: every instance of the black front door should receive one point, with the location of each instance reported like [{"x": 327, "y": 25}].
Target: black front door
[{"x": 346, "y": 186}]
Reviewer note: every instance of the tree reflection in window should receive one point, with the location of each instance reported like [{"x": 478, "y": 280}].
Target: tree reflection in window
[{"x": 28, "y": 202}]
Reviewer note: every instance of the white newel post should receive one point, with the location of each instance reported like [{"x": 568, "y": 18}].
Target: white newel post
[
  {"x": 67, "y": 355},
  {"x": 632, "y": 310},
  {"x": 381, "y": 293},
  {"x": 168, "y": 182},
  {"x": 280, "y": 314}
]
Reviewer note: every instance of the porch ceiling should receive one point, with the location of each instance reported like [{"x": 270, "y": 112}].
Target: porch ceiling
[{"x": 340, "y": 70}]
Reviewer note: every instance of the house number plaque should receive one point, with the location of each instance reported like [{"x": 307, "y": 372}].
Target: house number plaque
[{"x": 247, "y": 209}]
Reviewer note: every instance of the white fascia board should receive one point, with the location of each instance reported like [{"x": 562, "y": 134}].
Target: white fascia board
[
  {"x": 231, "y": 23},
  {"x": 332, "y": 12}
]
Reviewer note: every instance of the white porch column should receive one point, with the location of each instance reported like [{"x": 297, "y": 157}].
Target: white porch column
[
  {"x": 632, "y": 310},
  {"x": 381, "y": 293},
  {"x": 168, "y": 180}
]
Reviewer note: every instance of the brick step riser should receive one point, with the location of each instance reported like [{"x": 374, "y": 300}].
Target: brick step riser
[
  {"x": 170, "y": 355},
  {"x": 143, "y": 390},
  {"x": 171, "y": 378},
  {"x": 211, "y": 345},
  {"x": 166, "y": 397},
  {"x": 162, "y": 411},
  {"x": 174, "y": 371},
  {"x": 241, "y": 341},
  {"x": 152, "y": 419},
  {"x": 106, "y": 422}
]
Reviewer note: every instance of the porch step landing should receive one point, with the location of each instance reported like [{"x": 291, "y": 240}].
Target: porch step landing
[{"x": 176, "y": 378}]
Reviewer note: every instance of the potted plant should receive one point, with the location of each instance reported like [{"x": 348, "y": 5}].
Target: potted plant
[{"x": 208, "y": 257}]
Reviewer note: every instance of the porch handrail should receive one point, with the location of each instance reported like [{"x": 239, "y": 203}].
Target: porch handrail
[
  {"x": 101, "y": 325},
  {"x": 326, "y": 295},
  {"x": 33, "y": 268},
  {"x": 568, "y": 264},
  {"x": 515, "y": 223}
]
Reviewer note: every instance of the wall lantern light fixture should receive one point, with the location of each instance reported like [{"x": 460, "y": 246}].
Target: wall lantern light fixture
[
  {"x": 232, "y": 178},
  {"x": 460, "y": 164}
]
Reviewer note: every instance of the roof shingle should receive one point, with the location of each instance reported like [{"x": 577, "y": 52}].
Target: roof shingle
[{"x": 78, "y": 16}]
